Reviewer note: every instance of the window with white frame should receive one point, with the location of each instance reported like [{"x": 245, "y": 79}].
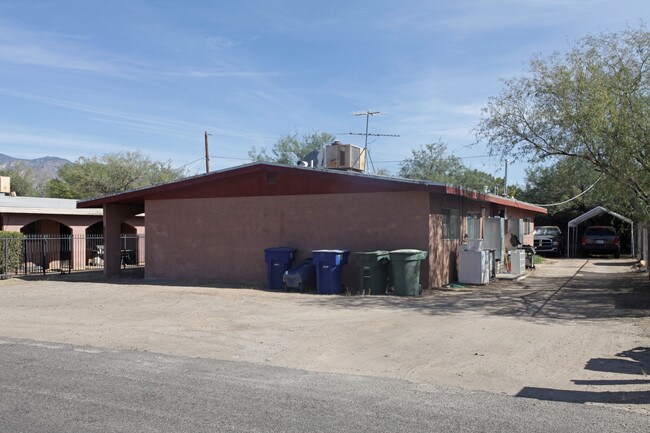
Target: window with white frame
[
  {"x": 450, "y": 223},
  {"x": 473, "y": 225}
]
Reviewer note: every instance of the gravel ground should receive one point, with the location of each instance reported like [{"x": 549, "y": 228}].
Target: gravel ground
[{"x": 574, "y": 330}]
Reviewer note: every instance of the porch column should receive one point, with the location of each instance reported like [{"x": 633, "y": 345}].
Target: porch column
[
  {"x": 141, "y": 248},
  {"x": 114, "y": 215},
  {"x": 78, "y": 248}
]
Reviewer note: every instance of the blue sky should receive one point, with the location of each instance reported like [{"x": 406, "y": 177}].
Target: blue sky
[{"x": 80, "y": 78}]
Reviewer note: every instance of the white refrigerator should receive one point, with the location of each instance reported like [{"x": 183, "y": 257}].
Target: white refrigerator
[
  {"x": 493, "y": 238},
  {"x": 473, "y": 266}
]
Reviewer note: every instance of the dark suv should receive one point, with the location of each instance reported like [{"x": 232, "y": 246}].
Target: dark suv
[
  {"x": 601, "y": 240},
  {"x": 548, "y": 239}
]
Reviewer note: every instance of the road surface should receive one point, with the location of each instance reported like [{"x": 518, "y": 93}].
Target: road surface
[{"x": 52, "y": 387}]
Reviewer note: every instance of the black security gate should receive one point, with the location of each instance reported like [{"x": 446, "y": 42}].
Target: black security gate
[{"x": 41, "y": 254}]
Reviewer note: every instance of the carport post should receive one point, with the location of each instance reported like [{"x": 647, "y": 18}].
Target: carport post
[{"x": 114, "y": 215}]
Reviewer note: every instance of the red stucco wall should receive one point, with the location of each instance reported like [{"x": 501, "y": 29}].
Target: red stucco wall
[{"x": 223, "y": 239}]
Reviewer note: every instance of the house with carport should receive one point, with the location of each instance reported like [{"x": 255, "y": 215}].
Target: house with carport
[{"x": 215, "y": 227}]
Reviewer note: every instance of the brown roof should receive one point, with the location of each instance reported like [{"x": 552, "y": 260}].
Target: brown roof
[{"x": 264, "y": 179}]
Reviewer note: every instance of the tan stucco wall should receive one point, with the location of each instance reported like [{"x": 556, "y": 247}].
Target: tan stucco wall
[
  {"x": 223, "y": 239},
  {"x": 517, "y": 214},
  {"x": 443, "y": 252}
]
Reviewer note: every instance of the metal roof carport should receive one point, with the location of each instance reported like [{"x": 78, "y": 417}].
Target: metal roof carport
[{"x": 572, "y": 236}]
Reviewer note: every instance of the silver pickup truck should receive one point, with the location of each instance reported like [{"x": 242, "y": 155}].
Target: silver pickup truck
[{"x": 548, "y": 239}]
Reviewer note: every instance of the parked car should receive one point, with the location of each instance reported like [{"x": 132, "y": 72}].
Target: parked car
[
  {"x": 601, "y": 240},
  {"x": 548, "y": 239}
]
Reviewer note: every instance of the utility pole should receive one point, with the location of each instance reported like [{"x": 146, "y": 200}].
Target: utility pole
[
  {"x": 368, "y": 113},
  {"x": 207, "y": 154},
  {"x": 505, "y": 181}
]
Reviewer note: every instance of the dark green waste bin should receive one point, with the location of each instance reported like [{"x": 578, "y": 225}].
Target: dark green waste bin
[
  {"x": 405, "y": 265},
  {"x": 372, "y": 267}
]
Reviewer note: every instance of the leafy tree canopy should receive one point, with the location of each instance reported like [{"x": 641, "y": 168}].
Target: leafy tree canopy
[
  {"x": 290, "y": 147},
  {"x": 432, "y": 162},
  {"x": 112, "y": 173},
  {"x": 591, "y": 104},
  {"x": 571, "y": 187},
  {"x": 22, "y": 182}
]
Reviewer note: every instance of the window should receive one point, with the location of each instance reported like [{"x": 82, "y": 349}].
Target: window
[
  {"x": 473, "y": 225},
  {"x": 528, "y": 226},
  {"x": 450, "y": 224}
]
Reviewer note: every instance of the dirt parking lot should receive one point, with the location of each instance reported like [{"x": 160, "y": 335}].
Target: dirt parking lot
[{"x": 573, "y": 330}]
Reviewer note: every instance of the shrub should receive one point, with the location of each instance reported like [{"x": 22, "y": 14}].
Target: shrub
[{"x": 11, "y": 251}]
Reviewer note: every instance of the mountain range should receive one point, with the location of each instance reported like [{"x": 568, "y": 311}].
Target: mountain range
[{"x": 40, "y": 170}]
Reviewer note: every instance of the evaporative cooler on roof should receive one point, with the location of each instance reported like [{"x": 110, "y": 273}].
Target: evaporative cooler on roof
[{"x": 345, "y": 157}]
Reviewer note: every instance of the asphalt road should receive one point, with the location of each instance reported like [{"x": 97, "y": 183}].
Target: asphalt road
[{"x": 51, "y": 387}]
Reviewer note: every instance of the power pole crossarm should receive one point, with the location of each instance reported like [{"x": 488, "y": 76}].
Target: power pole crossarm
[{"x": 368, "y": 113}]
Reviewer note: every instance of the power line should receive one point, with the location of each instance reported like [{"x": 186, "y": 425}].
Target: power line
[
  {"x": 459, "y": 157},
  {"x": 573, "y": 198},
  {"x": 230, "y": 157},
  {"x": 190, "y": 163}
]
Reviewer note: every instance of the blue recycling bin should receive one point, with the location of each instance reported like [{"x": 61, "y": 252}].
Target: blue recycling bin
[
  {"x": 329, "y": 270},
  {"x": 278, "y": 261}
]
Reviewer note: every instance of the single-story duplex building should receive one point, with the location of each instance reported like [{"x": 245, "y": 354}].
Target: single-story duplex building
[
  {"x": 57, "y": 217},
  {"x": 215, "y": 227}
]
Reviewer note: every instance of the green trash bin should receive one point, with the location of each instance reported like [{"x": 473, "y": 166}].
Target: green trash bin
[
  {"x": 372, "y": 267},
  {"x": 405, "y": 265}
]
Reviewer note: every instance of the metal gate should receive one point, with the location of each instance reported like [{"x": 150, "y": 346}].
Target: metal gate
[{"x": 34, "y": 254}]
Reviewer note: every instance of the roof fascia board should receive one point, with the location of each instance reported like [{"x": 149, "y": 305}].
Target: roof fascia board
[{"x": 409, "y": 184}]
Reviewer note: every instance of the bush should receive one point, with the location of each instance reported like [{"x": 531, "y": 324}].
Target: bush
[{"x": 11, "y": 251}]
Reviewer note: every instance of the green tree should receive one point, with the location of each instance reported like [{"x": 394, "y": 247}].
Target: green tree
[
  {"x": 561, "y": 182},
  {"x": 290, "y": 147},
  {"x": 592, "y": 104},
  {"x": 571, "y": 187},
  {"x": 478, "y": 180},
  {"x": 431, "y": 162},
  {"x": 90, "y": 177},
  {"x": 22, "y": 182}
]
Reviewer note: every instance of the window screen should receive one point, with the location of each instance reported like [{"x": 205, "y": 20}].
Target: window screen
[
  {"x": 450, "y": 223},
  {"x": 473, "y": 225}
]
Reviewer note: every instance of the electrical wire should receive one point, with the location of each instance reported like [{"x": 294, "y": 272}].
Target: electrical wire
[
  {"x": 190, "y": 163},
  {"x": 230, "y": 157},
  {"x": 573, "y": 198},
  {"x": 459, "y": 157}
]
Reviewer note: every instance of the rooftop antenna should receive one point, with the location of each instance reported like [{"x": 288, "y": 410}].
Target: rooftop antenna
[{"x": 366, "y": 134}]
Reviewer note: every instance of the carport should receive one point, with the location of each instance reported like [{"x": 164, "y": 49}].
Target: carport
[{"x": 572, "y": 229}]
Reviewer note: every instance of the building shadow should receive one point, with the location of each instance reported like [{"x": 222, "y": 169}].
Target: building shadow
[
  {"x": 630, "y": 362},
  {"x": 571, "y": 396},
  {"x": 590, "y": 296}
]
